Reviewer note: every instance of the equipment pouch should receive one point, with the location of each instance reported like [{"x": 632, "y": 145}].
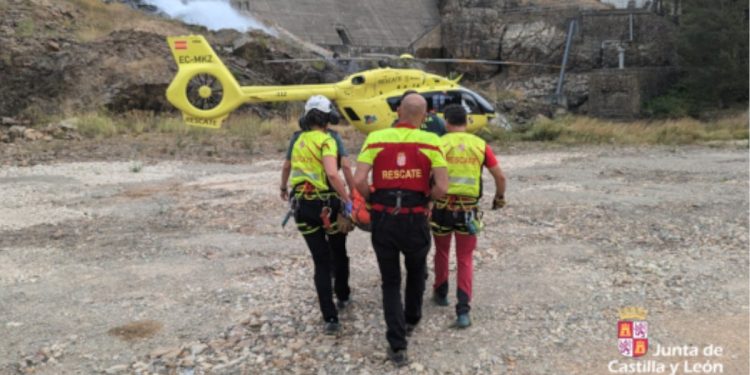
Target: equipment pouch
[{"x": 473, "y": 222}]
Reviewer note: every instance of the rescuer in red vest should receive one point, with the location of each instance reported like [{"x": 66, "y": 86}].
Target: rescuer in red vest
[
  {"x": 402, "y": 159},
  {"x": 458, "y": 212}
]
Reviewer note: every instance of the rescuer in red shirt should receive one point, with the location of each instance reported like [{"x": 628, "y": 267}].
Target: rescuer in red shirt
[
  {"x": 402, "y": 159},
  {"x": 458, "y": 214}
]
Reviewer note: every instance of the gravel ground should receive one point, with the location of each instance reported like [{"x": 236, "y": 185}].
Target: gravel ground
[{"x": 181, "y": 266}]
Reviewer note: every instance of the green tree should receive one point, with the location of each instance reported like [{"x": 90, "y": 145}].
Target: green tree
[{"x": 713, "y": 51}]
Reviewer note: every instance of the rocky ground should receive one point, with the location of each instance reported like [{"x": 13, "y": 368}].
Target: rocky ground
[{"x": 117, "y": 260}]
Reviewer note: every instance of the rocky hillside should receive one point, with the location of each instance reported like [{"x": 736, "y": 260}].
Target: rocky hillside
[
  {"x": 535, "y": 32},
  {"x": 67, "y": 56}
]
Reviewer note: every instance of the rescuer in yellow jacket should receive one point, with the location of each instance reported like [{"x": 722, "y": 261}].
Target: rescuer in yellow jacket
[
  {"x": 458, "y": 213},
  {"x": 402, "y": 159},
  {"x": 318, "y": 197}
]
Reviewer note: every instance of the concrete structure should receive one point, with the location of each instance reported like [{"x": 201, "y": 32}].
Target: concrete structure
[
  {"x": 622, "y": 4},
  {"x": 343, "y": 25},
  {"x": 620, "y": 93},
  {"x": 648, "y": 39},
  {"x": 664, "y": 7},
  {"x": 645, "y": 41}
]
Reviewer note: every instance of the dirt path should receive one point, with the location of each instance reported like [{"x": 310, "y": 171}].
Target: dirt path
[{"x": 194, "y": 254}]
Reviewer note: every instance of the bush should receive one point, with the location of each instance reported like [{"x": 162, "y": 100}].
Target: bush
[
  {"x": 676, "y": 133},
  {"x": 544, "y": 131},
  {"x": 672, "y": 105},
  {"x": 96, "y": 126},
  {"x": 246, "y": 133},
  {"x": 25, "y": 27},
  {"x": 498, "y": 135}
]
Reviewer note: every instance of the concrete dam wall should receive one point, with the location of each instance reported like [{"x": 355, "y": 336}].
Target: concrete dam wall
[{"x": 342, "y": 24}]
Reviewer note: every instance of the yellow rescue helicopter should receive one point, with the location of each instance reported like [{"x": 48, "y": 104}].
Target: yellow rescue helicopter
[{"x": 205, "y": 91}]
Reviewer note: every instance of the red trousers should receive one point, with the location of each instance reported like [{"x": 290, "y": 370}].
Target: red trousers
[{"x": 465, "y": 245}]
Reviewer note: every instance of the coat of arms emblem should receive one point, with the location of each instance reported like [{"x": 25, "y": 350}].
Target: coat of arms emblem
[
  {"x": 401, "y": 159},
  {"x": 632, "y": 332}
]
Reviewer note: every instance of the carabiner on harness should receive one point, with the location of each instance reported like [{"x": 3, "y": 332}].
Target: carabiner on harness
[
  {"x": 290, "y": 213},
  {"x": 397, "y": 208},
  {"x": 473, "y": 222}
]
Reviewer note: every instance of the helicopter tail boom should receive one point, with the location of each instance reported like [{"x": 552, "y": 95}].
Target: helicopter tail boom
[
  {"x": 205, "y": 91},
  {"x": 287, "y": 93}
]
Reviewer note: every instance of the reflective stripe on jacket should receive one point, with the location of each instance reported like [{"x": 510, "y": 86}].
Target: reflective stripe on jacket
[
  {"x": 465, "y": 154},
  {"x": 402, "y": 158}
]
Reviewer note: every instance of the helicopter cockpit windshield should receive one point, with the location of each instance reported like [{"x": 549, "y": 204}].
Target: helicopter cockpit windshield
[
  {"x": 485, "y": 106},
  {"x": 438, "y": 100}
]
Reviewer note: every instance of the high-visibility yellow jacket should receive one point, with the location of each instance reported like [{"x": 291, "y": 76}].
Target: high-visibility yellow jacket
[
  {"x": 465, "y": 155},
  {"x": 307, "y": 158}
]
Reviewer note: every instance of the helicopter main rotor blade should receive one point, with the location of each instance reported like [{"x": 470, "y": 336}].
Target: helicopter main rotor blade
[
  {"x": 381, "y": 56},
  {"x": 456, "y": 60},
  {"x": 287, "y": 61},
  {"x": 487, "y": 62},
  {"x": 375, "y": 55},
  {"x": 283, "y": 61}
]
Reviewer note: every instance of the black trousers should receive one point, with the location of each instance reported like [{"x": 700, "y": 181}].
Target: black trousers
[
  {"x": 329, "y": 257},
  {"x": 392, "y": 235}
]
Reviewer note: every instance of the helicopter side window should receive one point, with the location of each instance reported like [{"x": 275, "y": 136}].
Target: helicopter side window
[
  {"x": 468, "y": 102},
  {"x": 358, "y": 80},
  {"x": 394, "y": 102},
  {"x": 436, "y": 100},
  {"x": 451, "y": 97}
]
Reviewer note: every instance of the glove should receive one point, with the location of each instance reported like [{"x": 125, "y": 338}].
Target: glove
[
  {"x": 345, "y": 224},
  {"x": 498, "y": 202},
  {"x": 348, "y": 209}
]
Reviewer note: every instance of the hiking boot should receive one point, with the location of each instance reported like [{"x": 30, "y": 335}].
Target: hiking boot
[
  {"x": 343, "y": 304},
  {"x": 440, "y": 300},
  {"x": 398, "y": 357},
  {"x": 410, "y": 328},
  {"x": 331, "y": 328},
  {"x": 463, "y": 321}
]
